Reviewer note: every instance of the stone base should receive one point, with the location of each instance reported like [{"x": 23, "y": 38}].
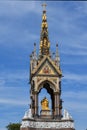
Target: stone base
[
  {"x": 47, "y": 124},
  {"x": 45, "y": 114},
  {"x": 46, "y": 129}
]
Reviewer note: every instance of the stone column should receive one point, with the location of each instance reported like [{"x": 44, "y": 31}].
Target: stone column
[
  {"x": 60, "y": 108},
  {"x": 36, "y": 103},
  {"x": 57, "y": 104}
]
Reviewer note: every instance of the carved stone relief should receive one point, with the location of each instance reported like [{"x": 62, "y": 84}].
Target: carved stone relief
[{"x": 33, "y": 124}]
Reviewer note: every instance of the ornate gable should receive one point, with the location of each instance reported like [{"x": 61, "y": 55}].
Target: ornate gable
[{"x": 47, "y": 67}]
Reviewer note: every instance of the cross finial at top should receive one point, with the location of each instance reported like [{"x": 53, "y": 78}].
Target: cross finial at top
[{"x": 44, "y": 6}]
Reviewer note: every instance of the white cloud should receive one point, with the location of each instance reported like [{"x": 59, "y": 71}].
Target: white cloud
[
  {"x": 75, "y": 102},
  {"x": 79, "y": 95},
  {"x": 13, "y": 102},
  {"x": 17, "y": 8},
  {"x": 13, "y": 76},
  {"x": 2, "y": 82},
  {"x": 12, "y": 14},
  {"x": 75, "y": 105},
  {"x": 82, "y": 8},
  {"x": 75, "y": 53},
  {"x": 75, "y": 77},
  {"x": 76, "y": 47}
]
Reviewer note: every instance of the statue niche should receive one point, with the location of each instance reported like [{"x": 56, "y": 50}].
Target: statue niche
[
  {"x": 45, "y": 104},
  {"x": 45, "y": 110}
]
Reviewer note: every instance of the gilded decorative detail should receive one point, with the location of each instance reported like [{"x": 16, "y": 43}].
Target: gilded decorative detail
[
  {"x": 57, "y": 70},
  {"x": 47, "y": 70},
  {"x": 44, "y": 40},
  {"x": 45, "y": 104}
]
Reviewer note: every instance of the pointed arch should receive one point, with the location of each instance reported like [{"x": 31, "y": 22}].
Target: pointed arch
[{"x": 49, "y": 85}]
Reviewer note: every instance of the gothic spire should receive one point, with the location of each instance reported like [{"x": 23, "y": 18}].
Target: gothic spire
[
  {"x": 57, "y": 58},
  {"x": 35, "y": 55},
  {"x": 44, "y": 39}
]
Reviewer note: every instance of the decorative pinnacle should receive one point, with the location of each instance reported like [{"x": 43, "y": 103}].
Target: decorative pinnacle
[
  {"x": 44, "y": 39},
  {"x": 34, "y": 44},
  {"x": 57, "y": 45},
  {"x": 57, "y": 55},
  {"x": 44, "y": 6}
]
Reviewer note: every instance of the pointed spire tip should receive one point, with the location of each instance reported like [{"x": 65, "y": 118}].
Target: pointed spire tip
[
  {"x": 57, "y": 45},
  {"x": 34, "y": 44}
]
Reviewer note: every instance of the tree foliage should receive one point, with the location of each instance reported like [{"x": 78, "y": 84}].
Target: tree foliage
[{"x": 13, "y": 126}]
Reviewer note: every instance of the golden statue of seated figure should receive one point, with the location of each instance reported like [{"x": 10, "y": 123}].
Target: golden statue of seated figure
[{"x": 45, "y": 104}]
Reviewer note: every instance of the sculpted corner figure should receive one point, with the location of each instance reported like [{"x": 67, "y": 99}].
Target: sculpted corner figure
[{"x": 45, "y": 104}]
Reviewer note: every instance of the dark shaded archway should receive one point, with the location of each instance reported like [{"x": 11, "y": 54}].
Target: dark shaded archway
[{"x": 48, "y": 86}]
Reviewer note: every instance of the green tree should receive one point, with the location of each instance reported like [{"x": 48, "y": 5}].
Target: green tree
[{"x": 13, "y": 126}]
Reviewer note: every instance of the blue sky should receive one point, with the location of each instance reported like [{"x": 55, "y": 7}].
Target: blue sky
[{"x": 20, "y": 23}]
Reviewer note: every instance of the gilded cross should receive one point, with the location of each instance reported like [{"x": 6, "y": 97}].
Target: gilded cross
[{"x": 44, "y": 6}]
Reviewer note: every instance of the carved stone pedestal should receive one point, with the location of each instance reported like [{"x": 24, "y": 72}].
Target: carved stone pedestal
[
  {"x": 30, "y": 123},
  {"x": 45, "y": 114},
  {"x": 42, "y": 124}
]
